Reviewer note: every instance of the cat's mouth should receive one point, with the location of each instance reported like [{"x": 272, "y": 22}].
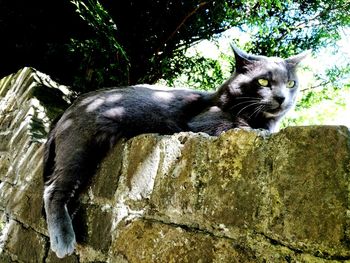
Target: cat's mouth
[{"x": 274, "y": 111}]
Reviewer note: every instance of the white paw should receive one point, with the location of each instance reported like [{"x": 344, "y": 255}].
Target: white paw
[{"x": 62, "y": 239}]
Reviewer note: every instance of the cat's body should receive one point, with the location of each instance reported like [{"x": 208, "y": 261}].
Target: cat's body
[{"x": 258, "y": 94}]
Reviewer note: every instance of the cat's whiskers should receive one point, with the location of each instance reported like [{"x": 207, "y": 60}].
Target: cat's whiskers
[
  {"x": 259, "y": 109},
  {"x": 244, "y": 102},
  {"x": 250, "y": 105}
]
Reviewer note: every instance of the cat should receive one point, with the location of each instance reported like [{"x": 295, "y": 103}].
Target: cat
[{"x": 257, "y": 95}]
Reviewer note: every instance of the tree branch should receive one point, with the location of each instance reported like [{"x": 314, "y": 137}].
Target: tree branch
[
  {"x": 321, "y": 84},
  {"x": 199, "y": 6}
]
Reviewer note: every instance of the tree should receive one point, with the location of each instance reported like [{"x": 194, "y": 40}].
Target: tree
[
  {"x": 127, "y": 41},
  {"x": 36, "y": 33}
]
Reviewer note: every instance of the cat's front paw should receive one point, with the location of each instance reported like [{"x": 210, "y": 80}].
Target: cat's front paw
[{"x": 62, "y": 239}]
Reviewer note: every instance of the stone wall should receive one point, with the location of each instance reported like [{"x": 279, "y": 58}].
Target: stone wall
[{"x": 245, "y": 196}]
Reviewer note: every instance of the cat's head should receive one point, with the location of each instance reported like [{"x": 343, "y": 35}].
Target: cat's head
[{"x": 263, "y": 85}]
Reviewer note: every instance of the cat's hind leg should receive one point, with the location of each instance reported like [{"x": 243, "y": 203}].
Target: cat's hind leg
[
  {"x": 73, "y": 166},
  {"x": 61, "y": 233},
  {"x": 59, "y": 222}
]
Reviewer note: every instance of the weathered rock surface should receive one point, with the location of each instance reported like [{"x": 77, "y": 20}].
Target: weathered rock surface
[{"x": 245, "y": 196}]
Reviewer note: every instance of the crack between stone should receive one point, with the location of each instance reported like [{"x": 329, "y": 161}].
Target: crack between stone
[
  {"x": 318, "y": 254},
  {"x": 46, "y": 238},
  {"x": 7, "y": 182},
  {"x": 275, "y": 242},
  {"x": 25, "y": 226},
  {"x": 47, "y": 250},
  {"x": 272, "y": 241},
  {"x": 187, "y": 228},
  {"x": 47, "y": 242}
]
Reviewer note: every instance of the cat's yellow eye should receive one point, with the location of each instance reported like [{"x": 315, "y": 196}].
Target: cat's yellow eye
[
  {"x": 263, "y": 82},
  {"x": 290, "y": 84}
]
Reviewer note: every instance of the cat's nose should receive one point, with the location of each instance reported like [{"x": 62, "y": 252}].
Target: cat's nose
[{"x": 279, "y": 99}]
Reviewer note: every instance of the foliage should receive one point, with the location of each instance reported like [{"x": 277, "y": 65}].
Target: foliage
[
  {"x": 198, "y": 73},
  {"x": 287, "y": 27},
  {"x": 90, "y": 44},
  {"x": 321, "y": 107},
  {"x": 103, "y": 59},
  {"x": 322, "y": 102},
  {"x": 278, "y": 28},
  {"x": 156, "y": 34}
]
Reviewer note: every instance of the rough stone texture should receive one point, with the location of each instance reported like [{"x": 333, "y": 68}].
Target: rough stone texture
[{"x": 246, "y": 196}]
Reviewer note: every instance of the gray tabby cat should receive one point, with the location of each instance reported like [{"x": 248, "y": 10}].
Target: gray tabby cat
[{"x": 257, "y": 95}]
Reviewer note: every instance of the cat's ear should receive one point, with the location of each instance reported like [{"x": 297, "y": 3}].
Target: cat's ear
[
  {"x": 242, "y": 58},
  {"x": 295, "y": 60}
]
